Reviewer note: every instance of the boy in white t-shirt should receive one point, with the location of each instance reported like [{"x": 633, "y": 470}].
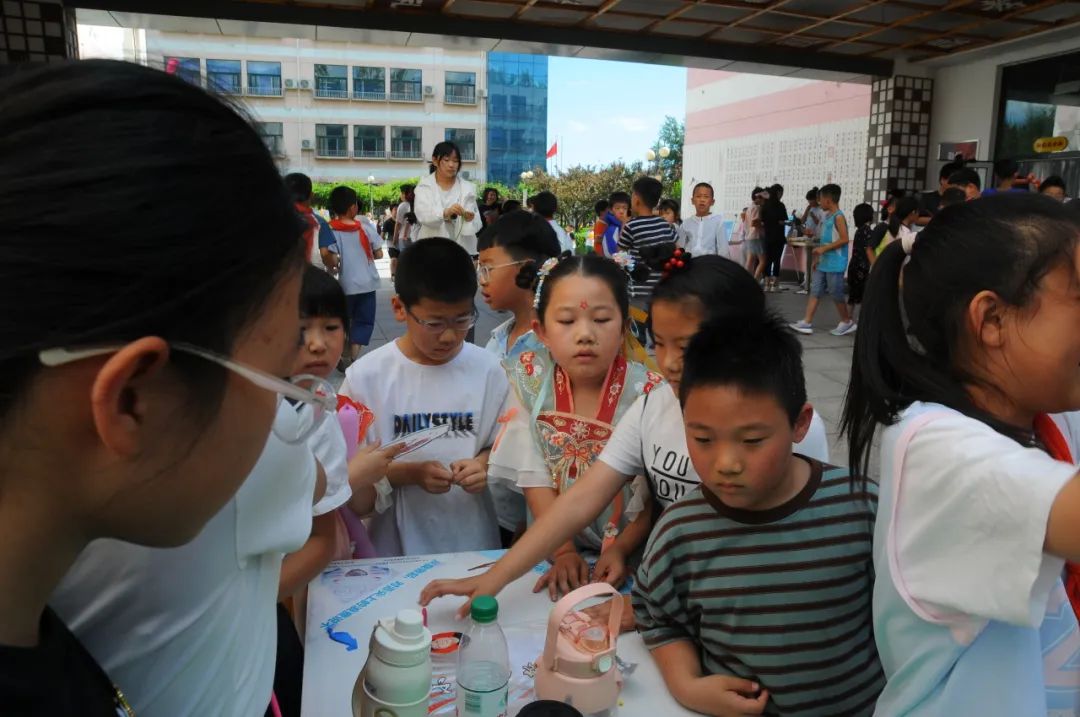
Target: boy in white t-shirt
[
  {"x": 437, "y": 500},
  {"x": 707, "y": 232}
]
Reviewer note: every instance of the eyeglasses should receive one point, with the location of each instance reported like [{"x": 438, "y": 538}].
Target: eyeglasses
[
  {"x": 483, "y": 271},
  {"x": 305, "y": 389},
  {"x": 462, "y": 323}
]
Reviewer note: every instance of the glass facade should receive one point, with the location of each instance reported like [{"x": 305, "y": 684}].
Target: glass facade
[
  {"x": 332, "y": 81},
  {"x": 224, "y": 76},
  {"x": 516, "y": 115}
]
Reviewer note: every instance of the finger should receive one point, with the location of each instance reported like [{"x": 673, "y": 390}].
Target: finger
[
  {"x": 464, "y": 610},
  {"x": 565, "y": 578},
  {"x": 439, "y": 588},
  {"x": 542, "y": 582},
  {"x": 391, "y": 452},
  {"x": 583, "y": 574}
]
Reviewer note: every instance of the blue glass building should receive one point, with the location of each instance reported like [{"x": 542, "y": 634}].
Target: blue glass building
[{"x": 516, "y": 115}]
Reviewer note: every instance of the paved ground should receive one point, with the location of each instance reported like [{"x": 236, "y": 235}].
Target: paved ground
[{"x": 827, "y": 358}]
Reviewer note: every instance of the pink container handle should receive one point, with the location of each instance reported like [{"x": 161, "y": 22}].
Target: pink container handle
[
  {"x": 350, "y": 426},
  {"x": 558, "y": 614}
]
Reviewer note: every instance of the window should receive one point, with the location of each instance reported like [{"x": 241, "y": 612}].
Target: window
[
  {"x": 369, "y": 83},
  {"x": 187, "y": 68},
  {"x": 518, "y": 107},
  {"x": 273, "y": 136},
  {"x": 496, "y": 138},
  {"x": 465, "y": 139},
  {"x": 332, "y": 81},
  {"x": 331, "y": 140},
  {"x": 405, "y": 143},
  {"x": 223, "y": 76},
  {"x": 264, "y": 78},
  {"x": 461, "y": 88},
  {"x": 369, "y": 141},
  {"x": 498, "y": 105},
  {"x": 406, "y": 85}
]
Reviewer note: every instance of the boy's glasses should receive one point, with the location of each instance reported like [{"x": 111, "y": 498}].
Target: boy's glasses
[
  {"x": 305, "y": 389},
  {"x": 461, "y": 323},
  {"x": 483, "y": 271}
]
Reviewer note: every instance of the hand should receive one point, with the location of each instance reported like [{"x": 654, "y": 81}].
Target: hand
[
  {"x": 371, "y": 463},
  {"x": 469, "y": 216},
  {"x": 818, "y": 251},
  {"x": 610, "y": 568},
  {"x": 626, "y": 620},
  {"x": 483, "y": 584},
  {"x": 433, "y": 477},
  {"x": 733, "y": 696},
  {"x": 568, "y": 572},
  {"x": 470, "y": 474},
  {"x": 808, "y": 232}
]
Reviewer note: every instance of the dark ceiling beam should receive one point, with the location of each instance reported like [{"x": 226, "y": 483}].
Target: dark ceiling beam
[
  {"x": 900, "y": 22},
  {"x": 832, "y": 18}
]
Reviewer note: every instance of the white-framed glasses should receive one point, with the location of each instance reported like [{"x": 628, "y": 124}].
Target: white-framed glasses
[
  {"x": 483, "y": 271},
  {"x": 304, "y": 389}
]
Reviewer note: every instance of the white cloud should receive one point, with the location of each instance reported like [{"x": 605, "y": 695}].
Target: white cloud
[
  {"x": 633, "y": 125},
  {"x": 577, "y": 127}
]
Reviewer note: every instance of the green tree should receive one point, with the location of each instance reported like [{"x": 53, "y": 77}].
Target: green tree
[{"x": 672, "y": 135}]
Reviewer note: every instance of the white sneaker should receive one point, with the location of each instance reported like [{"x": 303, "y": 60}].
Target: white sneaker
[
  {"x": 802, "y": 327},
  {"x": 844, "y": 328},
  {"x": 802, "y": 292}
]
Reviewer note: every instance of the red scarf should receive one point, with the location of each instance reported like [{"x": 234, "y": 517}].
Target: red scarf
[
  {"x": 1048, "y": 432},
  {"x": 313, "y": 227},
  {"x": 341, "y": 226}
]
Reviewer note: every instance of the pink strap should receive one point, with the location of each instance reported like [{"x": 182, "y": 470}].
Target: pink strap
[
  {"x": 569, "y": 601},
  {"x": 275, "y": 708}
]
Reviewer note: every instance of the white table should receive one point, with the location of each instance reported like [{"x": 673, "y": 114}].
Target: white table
[{"x": 355, "y": 603}]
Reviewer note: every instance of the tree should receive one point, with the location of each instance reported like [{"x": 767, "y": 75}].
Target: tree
[
  {"x": 579, "y": 187},
  {"x": 672, "y": 135}
]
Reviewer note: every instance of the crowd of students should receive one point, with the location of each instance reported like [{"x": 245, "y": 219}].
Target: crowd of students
[{"x": 166, "y": 495}]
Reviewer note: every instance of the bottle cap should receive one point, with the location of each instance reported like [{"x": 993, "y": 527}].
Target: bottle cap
[
  {"x": 402, "y": 640},
  {"x": 485, "y": 609}
]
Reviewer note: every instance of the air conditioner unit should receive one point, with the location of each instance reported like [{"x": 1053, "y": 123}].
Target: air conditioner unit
[
  {"x": 290, "y": 83},
  {"x": 305, "y": 84},
  {"x": 466, "y": 174},
  {"x": 481, "y": 93},
  {"x": 306, "y": 144},
  {"x": 429, "y": 91}
]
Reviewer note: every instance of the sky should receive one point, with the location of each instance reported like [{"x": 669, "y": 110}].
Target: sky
[{"x": 601, "y": 111}]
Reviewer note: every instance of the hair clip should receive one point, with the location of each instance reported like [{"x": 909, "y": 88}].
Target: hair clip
[
  {"x": 545, "y": 269},
  {"x": 680, "y": 259}
]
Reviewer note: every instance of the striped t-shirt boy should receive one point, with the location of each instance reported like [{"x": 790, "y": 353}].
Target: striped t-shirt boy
[
  {"x": 640, "y": 233},
  {"x": 781, "y": 597}
]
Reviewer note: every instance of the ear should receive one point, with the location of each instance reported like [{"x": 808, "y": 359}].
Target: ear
[
  {"x": 538, "y": 329},
  {"x": 986, "y": 319},
  {"x": 400, "y": 313},
  {"x": 802, "y": 423},
  {"x": 119, "y": 394}
]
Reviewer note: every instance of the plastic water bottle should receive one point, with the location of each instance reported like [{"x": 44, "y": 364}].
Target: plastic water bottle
[{"x": 483, "y": 669}]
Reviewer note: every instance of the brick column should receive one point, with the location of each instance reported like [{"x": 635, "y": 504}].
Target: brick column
[
  {"x": 899, "y": 137},
  {"x": 37, "y": 31}
]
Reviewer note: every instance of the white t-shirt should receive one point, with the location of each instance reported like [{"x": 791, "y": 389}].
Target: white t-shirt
[
  {"x": 192, "y": 631},
  {"x": 706, "y": 235},
  {"x": 469, "y": 392},
  {"x": 566, "y": 243},
  {"x": 328, "y": 445},
  {"x": 359, "y": 274},
  {"x": 650, "y": 439}
]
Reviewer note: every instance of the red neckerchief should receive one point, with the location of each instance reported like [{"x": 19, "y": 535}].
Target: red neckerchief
[
  {"x": 341, "y": 226},
  {"x": 1050, "y": 436},
  {"x": 313, "y": 227}
]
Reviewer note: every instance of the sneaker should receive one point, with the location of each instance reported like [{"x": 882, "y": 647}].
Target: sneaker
[
  {"x": 844, "y": 328},
  {"x": 802, "y": 292},
  {"x": 802, "y": 327}
]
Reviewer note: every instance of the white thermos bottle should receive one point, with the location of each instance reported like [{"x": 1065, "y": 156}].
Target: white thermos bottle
[{"x": 396, "y": 680}]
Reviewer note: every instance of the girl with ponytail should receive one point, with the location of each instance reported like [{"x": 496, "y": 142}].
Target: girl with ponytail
[{"x": 968, "y": 357}]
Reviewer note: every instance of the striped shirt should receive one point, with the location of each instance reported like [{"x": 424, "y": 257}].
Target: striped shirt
[
  {"x": 640, "y": 233},
  {"x": 781, "y": 596}
]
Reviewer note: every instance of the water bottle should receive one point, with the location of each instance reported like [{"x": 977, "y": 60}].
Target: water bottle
[{"x": 483, "y": 669}]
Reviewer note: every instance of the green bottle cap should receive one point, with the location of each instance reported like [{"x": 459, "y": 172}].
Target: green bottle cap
[{"x": 485, "y": 609}]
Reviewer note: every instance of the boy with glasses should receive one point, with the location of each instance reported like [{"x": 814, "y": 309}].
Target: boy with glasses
[{"x": 437, "y": 500}]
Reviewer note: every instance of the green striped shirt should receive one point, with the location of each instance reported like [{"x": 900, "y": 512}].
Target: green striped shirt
[{"x": 781, "y": 596}]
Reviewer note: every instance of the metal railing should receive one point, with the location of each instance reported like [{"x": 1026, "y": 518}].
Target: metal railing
[
  {"x": 369, "y": 96},
  {"x": 416, "y": 96},
  {"x": 331, "y": 93},
  {"x": 330, "y": 152},
  {"x": 369, "y": 153},
  {"x": 460, "y": 95},
  {"x": 272, "y": 91},
  {"x": 467, "y": 157},
  {"x": 405, "y": 153}
]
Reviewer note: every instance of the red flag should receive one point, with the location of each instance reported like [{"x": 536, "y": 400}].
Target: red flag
[{"x": 553, "y": 151}]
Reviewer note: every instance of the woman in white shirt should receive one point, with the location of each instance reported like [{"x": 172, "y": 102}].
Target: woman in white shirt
[{"x": 445, "y": 204}]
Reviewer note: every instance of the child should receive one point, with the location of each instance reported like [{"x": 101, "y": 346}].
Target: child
[
  {"x": 567, "y": 399},
  {"x": 738, "y": 240},
  {"x": 357, "y": 246},
  {"x": 755, "y": 246},
  {"x": 951, "y": 196},
  {"x": 512, "y": 250},
  {"x": 705, "y": 229},
  {"x": 318, "y": 232},
  {"x": 903, "y": 217},
  {"x": 754, "y": 594},
  {"x": 968, "y": 180},
  {"x": 437, "y": 501},
  {"x": 545, "y": 204},
  {"x": 1053, "y": 187},
  {"x": 599, "y": 226},
  {"x": 617, "y": 216},
  {"x": 405, "y": 227},
  {"x": 645, "y": 232},
  {"x": 828, "y": 278},
  {"x": 669, "y": 211},
  {"x": 812, "y": 215},
  {"x": 773, "y": 220},
  {"x": 862, "y": 255},
  {"x": 650, "y": 439},
  {"x": 980, "y": 497}
]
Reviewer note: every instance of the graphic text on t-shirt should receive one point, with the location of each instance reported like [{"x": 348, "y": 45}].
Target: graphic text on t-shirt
[
  {"x": 669, "y": 471},
  {"x": 461, "y": 422}
]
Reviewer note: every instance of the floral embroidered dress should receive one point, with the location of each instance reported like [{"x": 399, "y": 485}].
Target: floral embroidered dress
[{"x": 546, "y": 444}]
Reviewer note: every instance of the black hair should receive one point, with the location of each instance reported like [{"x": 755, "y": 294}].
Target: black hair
[
  {"x": 600, "y": 207},
  {"x": 964, "y": 177},
  {"x": 341, "y": 198},
  {"x": 673, "y": 205},
  {"x": 618, "y": 198},
  {"x": 948, "y": 168},
  {"x": 407, "y": 189},
  {"x": 594, "y": 265},
  {"x": 904, "y": 207},
  {"x": 135, "y": 152},
  {"x": 649, "y": 189},
  {"x": 754, "y": 192},
  {"x": 530, "y": 202},
  {"x": 525, "y": 237},
  {"x": 489, "y": 190},
  {"x": 756, "y": 353},
  {"x": 545, "y": 204},
  {"x": 951, "y": 196},
  {"x": 862, "y": 214},
  {"x": 442, "y": 150},
  {"x": 708, "y": 186},
  {"x": 299, "y": 186},
  {"x": 832, "y": 191},
  {"x": 714, "y": 283},
  {"x": 1005, "y": 169},
  {"x": 322, "y": 295},
  {"x": 812, "y": 195},
  {"x": 1052, "y": 181},
  {"x": 509, "y": 205},
  {"x": 1005, "y": 243},
  {"x": 776, "y": 191},
  {"x": 436, "y": 269}
]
